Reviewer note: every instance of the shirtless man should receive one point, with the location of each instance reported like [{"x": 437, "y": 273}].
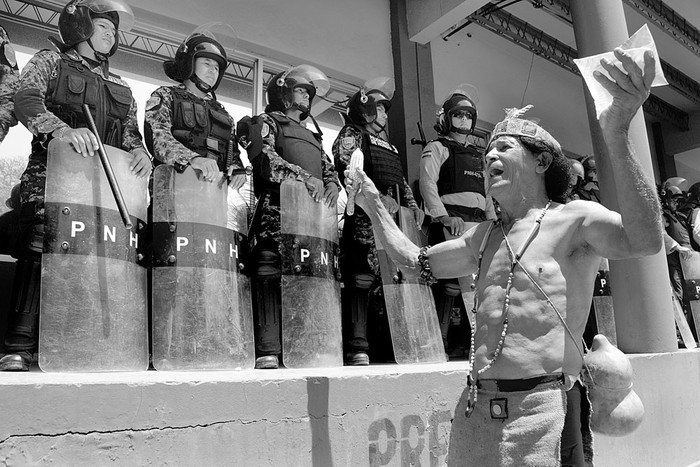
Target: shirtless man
[{"x": 533, "y": 275}]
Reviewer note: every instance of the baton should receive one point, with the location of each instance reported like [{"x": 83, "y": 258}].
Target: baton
[
  {"x": 398, "y": 277},
  {"x": 118, "y": 198},
  {"x": 422, "y": 141}
]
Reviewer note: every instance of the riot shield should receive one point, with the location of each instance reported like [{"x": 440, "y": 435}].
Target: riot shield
[
  {"x": 410, "y": 306},
  {"x": 94, "y": 311},
  {"x": 691, "y": 273},
  {"x": 311, "y": 319},
  {"x": 603, "y": 304},
  {"x": 202, "y": 310}
]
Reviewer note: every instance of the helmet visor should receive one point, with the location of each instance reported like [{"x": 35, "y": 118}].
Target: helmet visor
[
  {"x": 126, "y": 16},
  {"x": 310, "y": 74},
  {"x": 382, "y": 85},
  {"x": 219, "y": 32},
  {"x": 466, "y": 90}
]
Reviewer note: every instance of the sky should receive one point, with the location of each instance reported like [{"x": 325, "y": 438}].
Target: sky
[{"x": 18, "y": 140}]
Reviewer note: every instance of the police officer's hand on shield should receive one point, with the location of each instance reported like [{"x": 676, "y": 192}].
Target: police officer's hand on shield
[
  {"x": 82, "y": 139},
  {"x": 455, "y": 225},
  {"x": 141, "y": 166},
  {"x": 315, "y": 187},
  {"x": 418, "y": 216},
  {"x": 330, "y": 195},
  {"x": 208, "y": 167}
]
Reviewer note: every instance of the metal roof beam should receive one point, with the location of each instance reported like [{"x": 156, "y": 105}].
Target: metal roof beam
[
  {"x": 43, "y": 14},
  {"x": 680, "y": 82},
  {"x": 548, "y": 47},
  {"x": 671, "y": 22}
]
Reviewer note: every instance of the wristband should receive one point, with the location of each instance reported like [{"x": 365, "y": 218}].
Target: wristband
[{"x": 424, "y": 262}]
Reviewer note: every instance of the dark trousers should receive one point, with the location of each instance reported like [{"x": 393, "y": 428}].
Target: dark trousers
[{"x": 571, "y": 435}]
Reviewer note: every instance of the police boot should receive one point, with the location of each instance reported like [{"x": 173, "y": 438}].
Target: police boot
[
  {"x": 22, "y": 332},
  {"x": 267, "y": 311},
  {"x": 356, "y": 320},
  {"x": 447, "y": 291}
]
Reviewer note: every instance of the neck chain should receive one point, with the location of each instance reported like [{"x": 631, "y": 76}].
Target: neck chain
[{"x": 514, "y": 260}]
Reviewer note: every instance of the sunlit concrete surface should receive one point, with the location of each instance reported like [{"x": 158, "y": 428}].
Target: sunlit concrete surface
[{"x": 378, "y": 415}]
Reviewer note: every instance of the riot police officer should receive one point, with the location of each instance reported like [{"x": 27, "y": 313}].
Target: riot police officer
[
  {"x": 575, "y": 180},
  {"x": 452, "y": 185},
  {"x": 589, "y": 189},
  {"x": 282, "y": 148},
  {"x": 186, "y": 124},
  {"x": 9, "y": 81},
  {"x": 49, "y": 104},
  {"x": 365, "y": 129}
]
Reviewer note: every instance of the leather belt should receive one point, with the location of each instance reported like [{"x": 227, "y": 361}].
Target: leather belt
[{"x": 514, "y": 385}]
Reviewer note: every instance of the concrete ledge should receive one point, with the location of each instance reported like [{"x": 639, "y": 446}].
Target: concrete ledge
[{"x": 378, "y": 415}]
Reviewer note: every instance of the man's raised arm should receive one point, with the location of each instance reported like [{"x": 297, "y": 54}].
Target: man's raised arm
[{"x": 641, "y": 232}]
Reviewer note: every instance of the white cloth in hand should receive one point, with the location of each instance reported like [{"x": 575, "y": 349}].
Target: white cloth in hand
[{"x": 635, "y": 46}]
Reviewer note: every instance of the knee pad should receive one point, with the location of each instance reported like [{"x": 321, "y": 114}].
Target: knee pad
[
  {"x": 36, "y": 242},
  {"x": 267, "y": 263},
  {"x": 363, "y": 281}
]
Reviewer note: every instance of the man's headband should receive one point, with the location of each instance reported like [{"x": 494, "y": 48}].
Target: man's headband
[{"x": 513, "y": 125}]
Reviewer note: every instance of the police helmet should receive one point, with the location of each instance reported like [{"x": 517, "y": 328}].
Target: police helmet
[
  {"x": 362, "y": 106},
  {"x": 75, "y": 21},
  {"x": 694, "y": 193},
  {"x": 679, "y": 182},
  {"x": 210, "y": 41},
  {"x": 280, "y": 90},
  {"x": 462, "y": 98}
]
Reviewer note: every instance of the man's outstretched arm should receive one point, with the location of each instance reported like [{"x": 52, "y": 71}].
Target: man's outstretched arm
[
  {"x": 449, "y": 259},
  {"x": 639, "y": 232},
  {"x": 399, "y": 248}
]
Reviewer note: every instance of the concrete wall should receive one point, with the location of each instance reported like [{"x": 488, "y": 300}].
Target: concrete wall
[{"x": 379, "y": 415}]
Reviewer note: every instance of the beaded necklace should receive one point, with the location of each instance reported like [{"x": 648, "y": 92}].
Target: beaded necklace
[{"x": 514, "y": 261}]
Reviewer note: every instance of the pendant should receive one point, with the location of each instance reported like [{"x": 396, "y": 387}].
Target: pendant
[{"x": 470, "y": 409}]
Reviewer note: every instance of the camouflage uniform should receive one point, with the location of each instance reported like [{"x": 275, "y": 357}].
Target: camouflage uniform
[
  {"x": 163, "y": 144},
  {"x": 364, "y": 310},
  {"x": 47, "y": 82},
  {"x": 9, "y": 81},
  {"x": 37, "y": 85},
  {"x": 349, "y": 139},
  {"x": 272, "y": 168}
]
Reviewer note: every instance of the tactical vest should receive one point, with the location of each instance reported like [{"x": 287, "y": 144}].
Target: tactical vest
[
  {"x": 298, "y": 145},
  {"x": 382, "y": 161},
  {"x": 463, "y": 171},
  {"x": 75, "y": 85},
  {"x": 202, "y": 126}
]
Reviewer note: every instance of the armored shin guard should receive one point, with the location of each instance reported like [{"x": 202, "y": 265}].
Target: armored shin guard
[
  {"x": 268, "y": 304},
  {"x": 357, "y": 311},
  {"x": 23, "y": 330}
]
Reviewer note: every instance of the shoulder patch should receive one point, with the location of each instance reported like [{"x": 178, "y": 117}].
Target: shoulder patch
[
  {"x": 9, "y": 53},
  {"x": 265, "y": 130},
  {"x": 348, "y": 142},
  {"x": 153, "y": 102}
]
